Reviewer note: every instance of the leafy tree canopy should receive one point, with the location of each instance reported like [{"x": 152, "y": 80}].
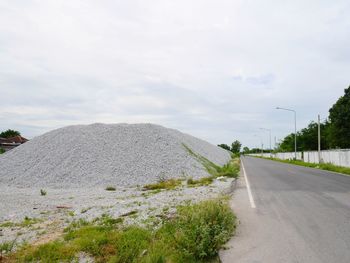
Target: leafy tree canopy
[
  {"x": 236, "y": 146},
  {"x": 9, "y": 133},
  {"x": 224, "y": 146},
  {"x": 339, "y": 116}
]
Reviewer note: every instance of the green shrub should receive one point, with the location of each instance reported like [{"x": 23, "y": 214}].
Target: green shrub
[
  {"x": 110, "y": 188},
  {"x": 2, "y": 150},
  {"x": 42, "y": 192},
  {"x": 200, "y": 230}
]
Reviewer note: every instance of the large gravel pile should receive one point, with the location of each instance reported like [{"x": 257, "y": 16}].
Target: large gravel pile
[{"x": 99, "y": 155}]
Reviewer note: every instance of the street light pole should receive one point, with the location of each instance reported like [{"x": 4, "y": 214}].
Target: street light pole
[
  {"x": 295, "y": 129},
  {"x": 319, "y": 139}
]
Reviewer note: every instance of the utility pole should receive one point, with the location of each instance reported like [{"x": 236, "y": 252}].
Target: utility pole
[
  {"x": 319, "y": 139},
  {"x": 295, "y": 129},
  {"x": 269, "y": 130}
]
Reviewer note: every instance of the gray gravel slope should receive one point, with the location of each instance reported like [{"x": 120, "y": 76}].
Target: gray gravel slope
[{"x": 105, "y": 154}]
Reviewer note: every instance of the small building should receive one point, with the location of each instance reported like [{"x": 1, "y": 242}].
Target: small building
[{"x": 12, "y": 142}]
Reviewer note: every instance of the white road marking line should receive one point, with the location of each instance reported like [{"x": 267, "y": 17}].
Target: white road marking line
[{"x": 251, "y": 199}]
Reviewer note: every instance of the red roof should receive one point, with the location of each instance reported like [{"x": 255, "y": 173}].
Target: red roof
[{"x": 15, "y": 139}]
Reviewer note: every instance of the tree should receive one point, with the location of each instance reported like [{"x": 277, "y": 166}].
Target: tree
[
  {"x": 236, "y": 146},
  {"x": 9, "y": 133},
  {"x": 224, "y": 146},
  {"x": 339, "y": 116},
  {"x": 246, "y": 150}
]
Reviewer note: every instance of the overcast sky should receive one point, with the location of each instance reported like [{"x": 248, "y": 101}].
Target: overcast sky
[{"x": 214, "y": 69}]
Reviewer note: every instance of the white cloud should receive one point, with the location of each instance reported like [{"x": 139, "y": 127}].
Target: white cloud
[{"x": 216, "y": 69}]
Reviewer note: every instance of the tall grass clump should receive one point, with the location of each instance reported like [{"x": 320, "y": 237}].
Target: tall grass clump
[{"x": 199, "y": 230}]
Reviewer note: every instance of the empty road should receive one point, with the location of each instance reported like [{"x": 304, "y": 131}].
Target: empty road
[{"x": 290, "y": 214}]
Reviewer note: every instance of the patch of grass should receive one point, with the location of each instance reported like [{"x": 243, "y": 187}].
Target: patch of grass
[
  {"x": 231, "y": 169},
  {"x": 2, "y": 150},
  {"x": 43, "y": 192},
  {"x": 166, "y": 184},
  {"x": 110, "y": 188},
  {"x": 200, "y": 182},
  {"x": 71, "y": 213},
  {"x": 27, "y": 222},
  {"x": 107, "y": 220},
  {"x": 151, "y": 192},
  {"x": 322, "y": 166},
  {"x": 6, "y": 248},
  {"x": 7, "y": 224},
  {"x": 199, "y": 230},
  {"x": 195, "y": 234}
]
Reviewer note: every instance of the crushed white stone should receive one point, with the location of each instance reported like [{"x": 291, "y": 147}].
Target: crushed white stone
[{"x": 100, "y": 155}]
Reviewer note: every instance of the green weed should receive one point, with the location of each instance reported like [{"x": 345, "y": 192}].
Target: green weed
[
  {"x": 200, "y": 182},
  {"x": 167, "y": 184}
]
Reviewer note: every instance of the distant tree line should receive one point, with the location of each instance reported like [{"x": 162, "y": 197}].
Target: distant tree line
[
  {"x": 9, "y": 133},
  {"x": 234, "y": 148},
  {"x": 335, "y": 131}
]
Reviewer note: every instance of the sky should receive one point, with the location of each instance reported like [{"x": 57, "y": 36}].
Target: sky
[{"x": 214, "y": 69}]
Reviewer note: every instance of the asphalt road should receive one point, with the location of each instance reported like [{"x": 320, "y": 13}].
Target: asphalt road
[{"x": 300, "y": 215}]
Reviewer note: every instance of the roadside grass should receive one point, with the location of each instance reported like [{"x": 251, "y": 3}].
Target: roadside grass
[
  {"x": 231, "y": 169},
  {"x": 200, "y": 182},
  {"x": 321, "y": 166},
  {"x": 194, "y": 234},
  {"x": 164, "y": 184},
  {"x": 27, "y": 222}
]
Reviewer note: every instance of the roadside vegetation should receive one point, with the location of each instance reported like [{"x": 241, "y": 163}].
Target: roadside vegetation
[
  {"x": 322, "y": 166},
  {"x": 163, "y": 184},
  {"x": 200, "y": 182},
  {"x": 231, "y": 169},
  {"x": 194, "y": 234}
]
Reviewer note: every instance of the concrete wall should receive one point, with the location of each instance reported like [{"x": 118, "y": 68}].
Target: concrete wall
[
  {"x": 283, "y": 156},
  {"x": 336, "y": 157}
]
